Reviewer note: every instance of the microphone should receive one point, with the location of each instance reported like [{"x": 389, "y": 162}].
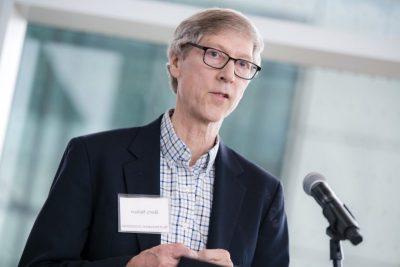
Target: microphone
[{"x": 343, "y": 225}]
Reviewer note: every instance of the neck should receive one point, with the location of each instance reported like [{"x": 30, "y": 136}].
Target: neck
[{"x": 198, "y": 135}]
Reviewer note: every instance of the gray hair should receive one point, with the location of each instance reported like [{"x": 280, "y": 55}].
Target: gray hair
[{"x": 211, "y": 21}]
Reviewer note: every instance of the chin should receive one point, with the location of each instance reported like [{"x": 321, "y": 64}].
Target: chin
[{"x": 215, "y": 116}]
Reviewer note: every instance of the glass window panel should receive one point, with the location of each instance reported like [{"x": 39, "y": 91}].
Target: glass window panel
[
  {"x": 347, "y": 128},
  {"x": 373, "y": 18}
]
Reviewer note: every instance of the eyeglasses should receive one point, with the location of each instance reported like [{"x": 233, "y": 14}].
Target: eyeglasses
[{"x": 218, "y": 59}]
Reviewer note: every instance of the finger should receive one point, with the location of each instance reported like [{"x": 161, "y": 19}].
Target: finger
[
  {"x": 160, "y": 255},
  {"x": 178, "y": 250},
  {"x": 214, "y": 254},
  {"x": 193, "y": 254},
  {"x": 219, "y": 256}
]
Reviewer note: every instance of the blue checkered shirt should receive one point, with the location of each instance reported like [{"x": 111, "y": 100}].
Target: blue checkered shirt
[{"x": 190, "y": 189}]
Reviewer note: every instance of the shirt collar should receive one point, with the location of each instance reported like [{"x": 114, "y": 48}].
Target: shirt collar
[{"x": 174, "y": 149}]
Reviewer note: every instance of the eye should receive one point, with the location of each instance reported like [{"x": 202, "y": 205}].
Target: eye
[
  {"x": 243, "y": 64},
  {"x": 214, "y": 53}
]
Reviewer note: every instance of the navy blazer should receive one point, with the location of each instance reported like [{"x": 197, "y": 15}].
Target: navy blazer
[{"x": 78, "y": 224}]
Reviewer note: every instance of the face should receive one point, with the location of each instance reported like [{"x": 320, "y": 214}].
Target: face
[{"x": 204, "y": 93}]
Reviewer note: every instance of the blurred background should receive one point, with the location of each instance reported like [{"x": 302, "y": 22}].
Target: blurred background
[{"x": 327, "y": 100}]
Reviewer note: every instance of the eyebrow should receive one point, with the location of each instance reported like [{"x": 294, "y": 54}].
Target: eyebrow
[{"x": 220, "y": 47}]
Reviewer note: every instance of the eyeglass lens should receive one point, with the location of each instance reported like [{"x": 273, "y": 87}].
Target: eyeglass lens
[{"x": 219, "y": 59}]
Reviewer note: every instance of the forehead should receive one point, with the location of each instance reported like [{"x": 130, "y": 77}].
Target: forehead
[{"x": 236, "y": 44}]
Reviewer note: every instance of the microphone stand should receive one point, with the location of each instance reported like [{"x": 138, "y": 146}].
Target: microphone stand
[
  {"x": 337, "y": 233},
  {"x": 336, "y": 252}
]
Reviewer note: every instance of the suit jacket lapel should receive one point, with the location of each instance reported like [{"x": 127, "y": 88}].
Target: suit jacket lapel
[
  {"x": 227, "y": 199},
  {"x": 142, "y": 174}
]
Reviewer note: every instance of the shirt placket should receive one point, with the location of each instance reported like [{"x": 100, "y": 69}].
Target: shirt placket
[
  {"x": 199, "y": 205},
  {"x": 185, "y": 207},
  {"x": 170, "y": 189}
]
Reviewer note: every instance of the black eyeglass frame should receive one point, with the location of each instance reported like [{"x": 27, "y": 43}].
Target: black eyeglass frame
[{"x": 205, "y": 48}]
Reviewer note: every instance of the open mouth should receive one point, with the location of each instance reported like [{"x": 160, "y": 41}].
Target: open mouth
[{"x": 221, "y": 94}]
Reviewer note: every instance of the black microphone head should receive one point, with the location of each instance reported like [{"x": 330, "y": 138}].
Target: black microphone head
[{"x": 312, "y": 179}]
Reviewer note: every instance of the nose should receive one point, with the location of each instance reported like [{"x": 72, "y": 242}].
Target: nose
[{"x": 227, "y": 73}]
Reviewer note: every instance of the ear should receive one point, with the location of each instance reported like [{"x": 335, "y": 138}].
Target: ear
[{"x": 174, "y": 66}]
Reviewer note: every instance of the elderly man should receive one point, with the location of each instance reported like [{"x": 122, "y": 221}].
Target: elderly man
[{"x": 222, "y": 208}]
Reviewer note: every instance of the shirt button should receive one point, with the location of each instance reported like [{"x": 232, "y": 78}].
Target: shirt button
[
  {"x": 186, "y": 189},
  {"x": 185, "y": 225}
]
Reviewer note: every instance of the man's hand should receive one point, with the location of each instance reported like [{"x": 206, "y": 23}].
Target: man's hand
[
  {"x": 165, "y": 255},
  {"x": 216, "y": 256},
  {"x": 168, "y": 255}
]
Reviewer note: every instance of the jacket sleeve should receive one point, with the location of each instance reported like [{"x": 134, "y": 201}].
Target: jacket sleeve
[
  {"x": 60, "y": 231},
  {"x": 273, "y": 242}
]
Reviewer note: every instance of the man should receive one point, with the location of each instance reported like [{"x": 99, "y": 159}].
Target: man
[{"x": 223, "y": 209}]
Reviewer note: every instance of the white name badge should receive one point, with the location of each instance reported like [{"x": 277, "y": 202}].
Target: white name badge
[{"x": 143, "y": 214}]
